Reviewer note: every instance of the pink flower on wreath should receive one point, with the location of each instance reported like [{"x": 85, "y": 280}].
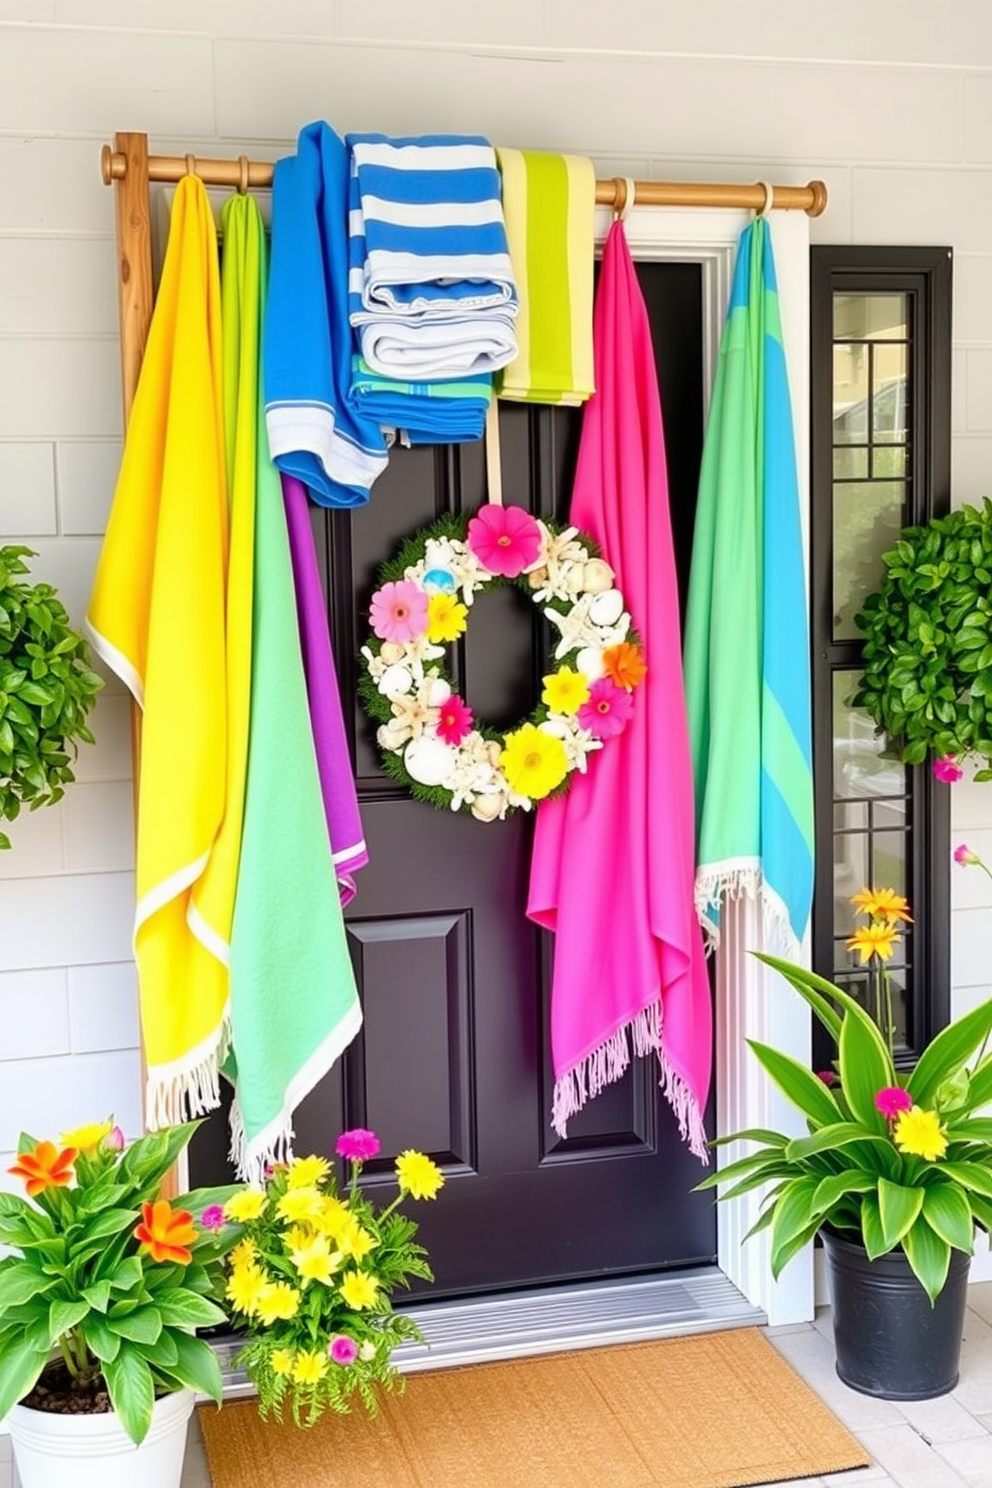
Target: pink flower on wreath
[
  {"x": 608, "y": 710},
  {"x": 399, "y": 612},
  {"x": 892, "y": 1099},
  {"x": 357, "y": 1145},
  {"x": 212, "y": 1217},
  {"x": 455, "y": 721},
  {"x": 965, "y": 856},
  {"x": 505, "y": 539},
  {"x": 947, "y": 769},
  {"x": 342, "y": 1349}
]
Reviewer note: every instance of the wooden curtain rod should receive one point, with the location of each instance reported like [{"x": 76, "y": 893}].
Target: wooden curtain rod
[{"x": 244, "y": 175}]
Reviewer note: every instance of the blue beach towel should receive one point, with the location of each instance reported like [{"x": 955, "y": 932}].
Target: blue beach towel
[
  {"x": 445, "y": 411},
  {"x": 431, "y": 286},
  {"x": 314, "y": 431}
]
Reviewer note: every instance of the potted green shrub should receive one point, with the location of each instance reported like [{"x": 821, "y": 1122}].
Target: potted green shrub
[
  {"x": 98, "y": 1306},
  {"x": 927, "y": 679},
  {"x": 894, "y": 1172},
  {"x": 46, "y": 691}
]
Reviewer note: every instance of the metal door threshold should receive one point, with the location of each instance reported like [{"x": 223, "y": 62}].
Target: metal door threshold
[{"x": 513, "y": 1325}]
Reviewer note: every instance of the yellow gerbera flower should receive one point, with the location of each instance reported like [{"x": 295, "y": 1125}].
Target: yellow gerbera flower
[
  {"x": 277, "y": 1301},
  {"x": 86, "y": 1138},
  {"x": 876, "y": 939},
  {"x": 883, "y": 904},
  {"x": 446, "y": 618},
  {"x": 309, "y": 1369},
  {"x": 306, "y": 1172},
  {"x": 248, "y": 1204},
  {"x": 355, "y": 1241},
  {"x": 334, "y": 1216},
  {"x": 534, "y": 762},
  {"x": 282, "y": 1361},
  {"x": 244, "y": 1286},
  {"x": 317, "y": 1262},
  {"x": 920, "y": 1133},
  {"x": 418, "y": 1176},
  {"x": 242, "y": 1254},
  {"x": 565, "y": 691},
  {"x": 300, "y": 1203},
  {"x": 298, "y": 1237},
  {"x": 359, "y": 1289}
]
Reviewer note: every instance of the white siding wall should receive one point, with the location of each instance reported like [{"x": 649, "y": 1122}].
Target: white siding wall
[{"x": 893, "y": 111}]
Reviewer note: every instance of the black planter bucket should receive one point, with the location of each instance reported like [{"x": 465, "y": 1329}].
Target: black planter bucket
[{"x": 890, "y": 1342}]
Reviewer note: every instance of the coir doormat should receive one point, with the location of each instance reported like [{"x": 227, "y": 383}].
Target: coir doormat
[{"x": 713, "y": 1410}]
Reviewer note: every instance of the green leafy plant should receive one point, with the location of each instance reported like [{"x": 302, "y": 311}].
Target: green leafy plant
[
  {"x": 311, "y": 1280},
  {"x": 927, "y": 680},
  {"x": 891, "y": 1162},
  {"x": 108, "y": 1281},
  {"x": 46, "y": 691}
]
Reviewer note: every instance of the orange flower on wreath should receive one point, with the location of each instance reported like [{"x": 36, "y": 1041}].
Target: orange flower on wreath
[
  {"x": 45, "y": 1167},
  {"x": 624, "y": 664},
  {"x": 166, "y": 1232}
]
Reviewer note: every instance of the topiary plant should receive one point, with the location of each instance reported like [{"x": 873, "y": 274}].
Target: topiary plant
[
  {"x": 46, "y": 691},
  {"x": 927, "y": 679}
]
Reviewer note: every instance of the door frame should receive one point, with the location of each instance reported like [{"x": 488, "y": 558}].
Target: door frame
[{"x": 751, "y": 1002}]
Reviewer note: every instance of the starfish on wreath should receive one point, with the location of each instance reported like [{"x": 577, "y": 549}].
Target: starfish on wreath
[
  {"x": 576, "y": 627},
  {"x": 411, "y": 715}
]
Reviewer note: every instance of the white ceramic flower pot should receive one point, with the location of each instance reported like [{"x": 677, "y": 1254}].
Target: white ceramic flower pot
[{"x": 53, "y": 1451}]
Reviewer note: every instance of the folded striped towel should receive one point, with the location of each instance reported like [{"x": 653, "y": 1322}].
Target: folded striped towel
[
  {"x": 549, "y": 202},
  {"x": 431, "y": 287},
  {"x": 314, "y": 432},
  {"x": 445, "y": 411}
]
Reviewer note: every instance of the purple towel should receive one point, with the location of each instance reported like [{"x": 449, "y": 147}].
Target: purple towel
[{"x": 344, "y": 823}]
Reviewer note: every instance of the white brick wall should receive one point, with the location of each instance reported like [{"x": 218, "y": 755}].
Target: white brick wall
[{"x": 893, "y": 111}]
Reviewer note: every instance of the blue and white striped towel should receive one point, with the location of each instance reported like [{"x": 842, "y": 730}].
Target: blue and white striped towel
[{"x": 430, "y": 288}]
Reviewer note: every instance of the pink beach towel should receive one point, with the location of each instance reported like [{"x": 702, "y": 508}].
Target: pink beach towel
[{"x": 614, "y": 864}]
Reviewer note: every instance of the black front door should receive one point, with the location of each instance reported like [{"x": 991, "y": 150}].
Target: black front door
[{"x": 453, "y": 1055}]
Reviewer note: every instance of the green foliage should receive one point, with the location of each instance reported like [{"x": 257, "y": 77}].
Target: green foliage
[
  {"x": 852, "y": 1171},
  {"x": 927, "y": 680},
  {"x": 289, "y": 1354},
  {"x": 80, "y": 1285},
  {"x": 46, "y": 691}
]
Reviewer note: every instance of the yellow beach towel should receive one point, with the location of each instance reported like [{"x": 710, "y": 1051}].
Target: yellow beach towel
[
  {"x": 157, "y": 615},
  {"x": 549, "y": 205}
]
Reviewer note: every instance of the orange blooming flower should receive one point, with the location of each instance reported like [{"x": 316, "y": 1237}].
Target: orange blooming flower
[
  {"x": 624, "y": 665},
  {"x": 883, "y": 904},
  {"x": 166, "y": 1232},
  {"x": 876, "y": 939},
  {"x": 45, "y": 1167}
]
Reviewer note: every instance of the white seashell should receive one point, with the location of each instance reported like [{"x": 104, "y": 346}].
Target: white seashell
[
  {"x": 429, "y": 761},
  {"x": 589, "y": 662},
  {"x": 395, "y": 682},
  {"x": 606, "y": 608},
  {"x": 391, "y": 651},
  {"x": 486, "y": 808},
  {"x": 439, "y": 693},
  {"x": 597, "y": 576},
  {"x": 556, "y": 726}
]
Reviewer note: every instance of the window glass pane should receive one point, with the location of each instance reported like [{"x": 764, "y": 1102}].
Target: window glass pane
[
  {"x": 888, "y": 866},
  {"x": 860, "y": 769},
  {"x": 887, "y": 460},
  {"x": 850, "y": 816},
  {"x": 862, "y": 986},
  {"x": 850, "y": 877},
  {"x": 859, "y": 317},
  {"x": 889, "y": 419},
  {"x": 851, "y": 371},
  {"x": 867, "y": 519},
  {"x": 852, "y": 464}
]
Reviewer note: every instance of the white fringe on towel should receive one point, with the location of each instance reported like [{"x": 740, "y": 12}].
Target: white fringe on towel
[
  {"x": 607, "y": 1064},
  {"x": 739, "y": 878},
  {"x": 189, "y": 1087}
]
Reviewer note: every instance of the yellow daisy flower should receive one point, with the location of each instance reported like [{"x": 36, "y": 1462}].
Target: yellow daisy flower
[
  {"x": 300, "y": 1203},
  {"x": 418, "y": 1176},
  {"x": 882, "y": 904},
  {"x": 244, "y": 1286},
  {"x": 282, "y": 1361},
  {"x": 446, "y": 618},
  {"x": 920, "y": 1133},
  {"x": 309, "y": 1369},
  {"x": 334, "y": 1216},
  {"x": 876, "y": 939},
  {"x": 359, "y": 1289},
  {"x": 355, "y": 1241},
  {"x": 248, "y": 1204},
  {"x": 277, "y": 1301},
  {"x": 534, "y": 762},
  {"x": 298, "y": 1237},
  {"x": 317, "y": 1262},
  {"x": 565, "y": 691},
  {"x": 306, "y": 1172},
  {"x": 86, "y": 1138},
  {"x": 242, "y": 1254}
]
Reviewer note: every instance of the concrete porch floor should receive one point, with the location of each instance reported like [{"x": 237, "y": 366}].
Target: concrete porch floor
[{"x": 945, "y": 1443}]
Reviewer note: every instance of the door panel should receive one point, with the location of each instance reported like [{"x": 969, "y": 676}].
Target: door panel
[{"x": 453, "y": 1056}]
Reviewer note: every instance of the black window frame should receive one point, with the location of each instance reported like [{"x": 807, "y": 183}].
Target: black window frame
[{"x": 924, "y": 274}]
